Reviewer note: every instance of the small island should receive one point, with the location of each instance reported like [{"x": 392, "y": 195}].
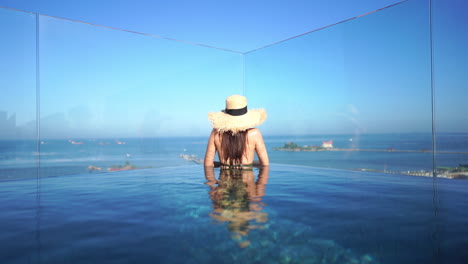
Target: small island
[
  {"x": 291, "y": 146},
  {"x": 328, "y": 146}
]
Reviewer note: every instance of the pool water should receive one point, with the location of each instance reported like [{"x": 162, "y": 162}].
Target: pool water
[{"x": 287, "y": 214}]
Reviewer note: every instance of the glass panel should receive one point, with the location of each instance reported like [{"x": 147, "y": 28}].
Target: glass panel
[
  {"x": 20, "y": 200},
  {"x": 356, "y": 95},
  {"x": 18, "y": 100},
  {"x": 113, "y": 100},
  {"x": 450, "y": 39},
  {"x": 450, "y": 83}
]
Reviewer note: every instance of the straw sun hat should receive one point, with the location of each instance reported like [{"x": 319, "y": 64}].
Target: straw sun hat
[{"x": 236, "y": 117}]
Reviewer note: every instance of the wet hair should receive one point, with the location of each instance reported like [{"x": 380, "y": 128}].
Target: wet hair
[{"x": 233, "y": 146}]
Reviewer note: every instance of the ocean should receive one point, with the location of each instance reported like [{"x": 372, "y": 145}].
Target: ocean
[
  {"x": 323, "y": 211},
  {"x": 20, "y": 159}
]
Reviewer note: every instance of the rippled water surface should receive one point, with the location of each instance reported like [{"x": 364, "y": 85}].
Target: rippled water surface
[{"x": 289, "y": 214}]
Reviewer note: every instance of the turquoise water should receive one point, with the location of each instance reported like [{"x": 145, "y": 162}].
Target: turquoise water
[{"x": 289, "y": 214}]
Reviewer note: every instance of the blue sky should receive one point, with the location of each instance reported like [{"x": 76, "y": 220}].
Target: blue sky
[
  {"x": 240, "y": 25},
  {"x": 368, "y": 75}
]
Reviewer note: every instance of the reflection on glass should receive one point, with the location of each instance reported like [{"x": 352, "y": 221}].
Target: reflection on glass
[
  {"x": 356, "y": 95},
  {"x": 18, "y": 148},
  {"x": 237, "y": 200},
  {"x": 122, "y": 96},
  {"x": 18, "y": 95}
]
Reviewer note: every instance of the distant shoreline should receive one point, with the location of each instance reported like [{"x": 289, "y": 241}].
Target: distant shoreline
[
  {"x": 368, "y": 150},
  {"x": 423, "y": 173}
]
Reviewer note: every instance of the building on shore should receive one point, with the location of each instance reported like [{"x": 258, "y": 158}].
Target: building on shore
[{"x": 327, "y": 144}]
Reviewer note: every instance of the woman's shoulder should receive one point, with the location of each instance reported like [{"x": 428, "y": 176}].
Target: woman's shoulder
[
  {"x": 215, "y": 132},
  {"x": 254, "y": 132}
]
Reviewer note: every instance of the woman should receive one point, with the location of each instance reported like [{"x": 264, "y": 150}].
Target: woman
[{"x": 234, "y": 137}]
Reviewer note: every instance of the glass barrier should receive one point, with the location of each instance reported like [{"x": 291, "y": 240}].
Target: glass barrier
[
  {"x": 18, "y": 98},
  {"x": 450, "y": 60},
  {"x": 355, "y": 95},
  {"x": 113, "y": 100},
  {"x": 18, "y": 148},
  {"x": 450, "y": 88}
]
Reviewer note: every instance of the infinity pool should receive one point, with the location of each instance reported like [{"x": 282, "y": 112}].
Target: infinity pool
[{"x": 287, "y": 214}]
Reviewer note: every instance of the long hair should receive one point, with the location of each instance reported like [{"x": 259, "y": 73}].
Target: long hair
[{"x": 233, "y": 146}]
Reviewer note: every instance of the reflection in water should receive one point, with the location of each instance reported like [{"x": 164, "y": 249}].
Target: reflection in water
[{"x": 237, "y": 200}]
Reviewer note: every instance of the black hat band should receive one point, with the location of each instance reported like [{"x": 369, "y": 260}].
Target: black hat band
[{"x": 236, "y": 112}]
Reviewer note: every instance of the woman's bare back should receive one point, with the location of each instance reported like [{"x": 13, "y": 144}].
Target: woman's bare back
[{"x": 254, "y": 143}]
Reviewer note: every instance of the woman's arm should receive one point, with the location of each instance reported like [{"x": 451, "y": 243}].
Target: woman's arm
[
  {"x": 210, "y": 151},
  {"x": 260, "y": 148}
]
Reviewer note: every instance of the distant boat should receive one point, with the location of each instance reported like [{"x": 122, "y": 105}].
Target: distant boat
[
  {"x": 351, "y": 139},
  {"x": 92, "y": 168},
  {"x": 119, "y": 142},
  {"x": 75, "y": 142},
  {"x": 191, "y": 158}
]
